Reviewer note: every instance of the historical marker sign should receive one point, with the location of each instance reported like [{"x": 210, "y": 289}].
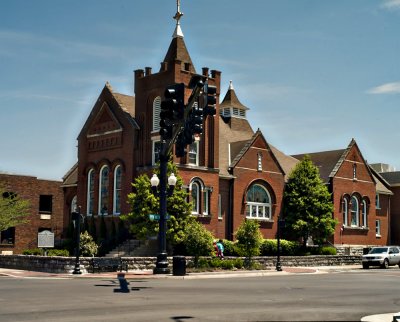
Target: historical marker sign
[{"x": 46, "y": 239}]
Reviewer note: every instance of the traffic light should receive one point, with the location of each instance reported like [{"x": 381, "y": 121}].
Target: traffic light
[
  {"x": 180, "y": 145},
  {"x": 165, "y": 121},
  {"x": 197, "y": 119},
  {"x": 175, "y": 102},
  {"x": 211, "y": 100}
]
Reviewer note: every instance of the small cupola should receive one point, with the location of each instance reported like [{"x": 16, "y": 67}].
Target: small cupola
[{"x": 231, "y": 106}]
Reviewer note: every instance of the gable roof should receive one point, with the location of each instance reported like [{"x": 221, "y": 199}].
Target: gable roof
[
  {"x": 285, "y": 163},
  {"x": 382, "y": 186},
  {"x": 125, "y": 103},
  {"x": 70, "y": 179},
  {"x": 393, "y": 178},
  {"x": 329, "y": 162}
]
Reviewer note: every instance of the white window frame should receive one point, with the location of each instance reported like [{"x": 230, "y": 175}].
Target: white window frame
[
  {"x": 345, "y": 212},
  {"x": 90, "y": 193},
  {"x": 156, "y": 113},
  {"x": 219, "y": 207},
  {"x": 364, "y": 213},
  {"x": 194, "y": 144},
  {"x": 355, "y": 212},
  {"x": 378, "y": 228},
  {"x": 259, "y": 161},
  {"x": 254, "y": 209},
  {"x": 195, "y": 202},
  {"x": 100, "y": 190},
  {"x": 74, "y": 204},
  {"x": 206, "y": 201},
  {"x": 377, "y": 201},
  {"x": 117, "y": 207}
]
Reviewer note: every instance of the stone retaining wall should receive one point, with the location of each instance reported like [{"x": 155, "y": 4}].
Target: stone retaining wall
[{"x": 66, "y": 264}]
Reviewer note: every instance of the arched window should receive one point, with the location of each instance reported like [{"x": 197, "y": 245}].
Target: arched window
[
  {"x": 195, "y": 194},
  {"x": 345, "y": 211},
  {"x": 74, "y": 204},
  {"x": 364, "y": 222},
  {"x": 90, "y": 192},
  {"x": 103, "y": 190},
  {"x": 354, "y": 210},
  {"x": 117, "y": 190},
  {"x": 156, "y": 113},
  {"x": 258, "y": 203}
]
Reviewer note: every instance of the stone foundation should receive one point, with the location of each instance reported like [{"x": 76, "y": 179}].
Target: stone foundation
[{"x": 66, "y": 264}]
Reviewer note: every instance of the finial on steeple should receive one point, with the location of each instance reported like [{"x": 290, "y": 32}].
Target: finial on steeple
[
  {"x": 178, "y": 31},
  {"x": 230, "y": 85}
]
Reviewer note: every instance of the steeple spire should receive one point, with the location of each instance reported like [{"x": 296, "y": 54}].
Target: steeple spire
[{"x": 178, "y": 31}]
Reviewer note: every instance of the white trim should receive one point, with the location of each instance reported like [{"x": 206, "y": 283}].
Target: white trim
[
  {"x": 352, "y": 179},
  {"x": 115, "y": 190},
  {"x": 103, "y": 133},
  {"x": 88, "y": 199}
]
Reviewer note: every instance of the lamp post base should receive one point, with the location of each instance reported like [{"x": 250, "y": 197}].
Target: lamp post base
[
  {"x": 162, "y": 264},
  {"x": 77, "y": 270}
]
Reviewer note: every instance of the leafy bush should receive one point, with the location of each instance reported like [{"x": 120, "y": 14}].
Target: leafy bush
[
  {"x": 230, "y": 248},
  {"x": 249, "y": 239},
  {"x": 269, "y": 247},
  {"x": 198, "y": 241},
  {"x": 87, "y": 245},
  {"x": 33, "y": 251},
  {"x": 325, "y": 250},
  {"x": 58, "y": 252}
]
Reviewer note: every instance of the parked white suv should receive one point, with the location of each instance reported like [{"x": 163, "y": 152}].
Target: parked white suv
[{"x": 383, "y": 256}]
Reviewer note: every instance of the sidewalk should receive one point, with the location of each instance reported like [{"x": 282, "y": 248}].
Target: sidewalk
[{"x": 149, "y": 273}]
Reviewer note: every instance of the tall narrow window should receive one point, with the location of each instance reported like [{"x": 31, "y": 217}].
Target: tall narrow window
[
  {"x": 103, "y": 190},
  {"x": 377, "y": 202},
  {"x": 156, "y": 152},
  {"x": 354, "y": 211},
  {"x": 364, "y": 222},
  {"x": 74, "y": 204},
  {"x": 219, "y": 207},
  {"x": 90, "y": 192},
  {"x": 355, "y": 171},
  {"x": 259, "y": 161},
  {"x": 194, "y": 153},
  {"x": 378, "y": 228},
  {"x": 206, "y": 193},
  {"x": 117, "y": 190},
  {"x": 156, "y": 113},
  {"x": 258, "y": 203},
  {"x": 345, "y": 211},
  {"x": 195, "y": 198}
]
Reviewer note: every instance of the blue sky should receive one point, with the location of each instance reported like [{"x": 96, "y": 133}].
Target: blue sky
[{"x": 315, "y": 74}]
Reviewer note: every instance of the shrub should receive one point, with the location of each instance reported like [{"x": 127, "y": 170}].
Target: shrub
[
  {"x": 230, "y": 248},
  {"x": 326, "y": 250},
  {"x": 249, "y": 239},
  {"x": 198, "y": 241},
  {"x": 33, "y": 251},
  {"x": 269, "y": 247},
  {"x": 87, "y": 246},
  {"x": 58, "y": 252}
]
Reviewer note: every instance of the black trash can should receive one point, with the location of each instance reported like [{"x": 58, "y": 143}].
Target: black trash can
[{"x": 179, "y": 266}]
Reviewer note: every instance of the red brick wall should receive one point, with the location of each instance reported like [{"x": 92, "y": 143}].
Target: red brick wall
[
  {"x": 363, "y": 186},
  {"x": 30, "y": 188},
  {"x": 271, "y": 177}
]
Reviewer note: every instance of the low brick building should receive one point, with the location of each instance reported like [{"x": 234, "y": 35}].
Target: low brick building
[{"x": 46, "y": 200}]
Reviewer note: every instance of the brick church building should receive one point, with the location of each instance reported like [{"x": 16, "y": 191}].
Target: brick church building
[{"x": 233, "y": 173}]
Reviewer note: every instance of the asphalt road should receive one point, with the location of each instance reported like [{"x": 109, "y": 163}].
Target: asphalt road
[{"x": 337, "y": 296}]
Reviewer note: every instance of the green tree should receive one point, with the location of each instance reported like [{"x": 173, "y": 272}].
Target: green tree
[
  {"x": 143, "y": 203},
  {"x": 13, "y": 209},
  {"x": 198, "y": 241},
  {"x": 249, "y": 239},
  {"x": 308, "y": 208}
]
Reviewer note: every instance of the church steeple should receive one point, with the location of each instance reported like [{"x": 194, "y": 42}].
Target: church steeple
[
  {"x": 177, "y": 50},
  {"x": 231, "y": 106}
]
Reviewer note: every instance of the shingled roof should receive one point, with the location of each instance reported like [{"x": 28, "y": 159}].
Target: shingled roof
[
  {"x": 393, "y": 178},
  {"x": 231, "y": 99},
  {"x": 71, "y": 177}
]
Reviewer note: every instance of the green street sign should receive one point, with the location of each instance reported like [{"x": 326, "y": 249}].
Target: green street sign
[{"x": 157, "y": 217}]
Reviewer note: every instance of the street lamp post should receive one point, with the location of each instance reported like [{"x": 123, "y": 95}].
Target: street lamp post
[
  {"x": 281, "y": 222},
  {"x": 162, "y": 260},
  {"x": 76, "y": 217}
]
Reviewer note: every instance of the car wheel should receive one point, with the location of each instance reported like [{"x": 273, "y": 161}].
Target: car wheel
[
  {"x": 366, "y": 266},
  {"x": 385, "y": 263}
]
